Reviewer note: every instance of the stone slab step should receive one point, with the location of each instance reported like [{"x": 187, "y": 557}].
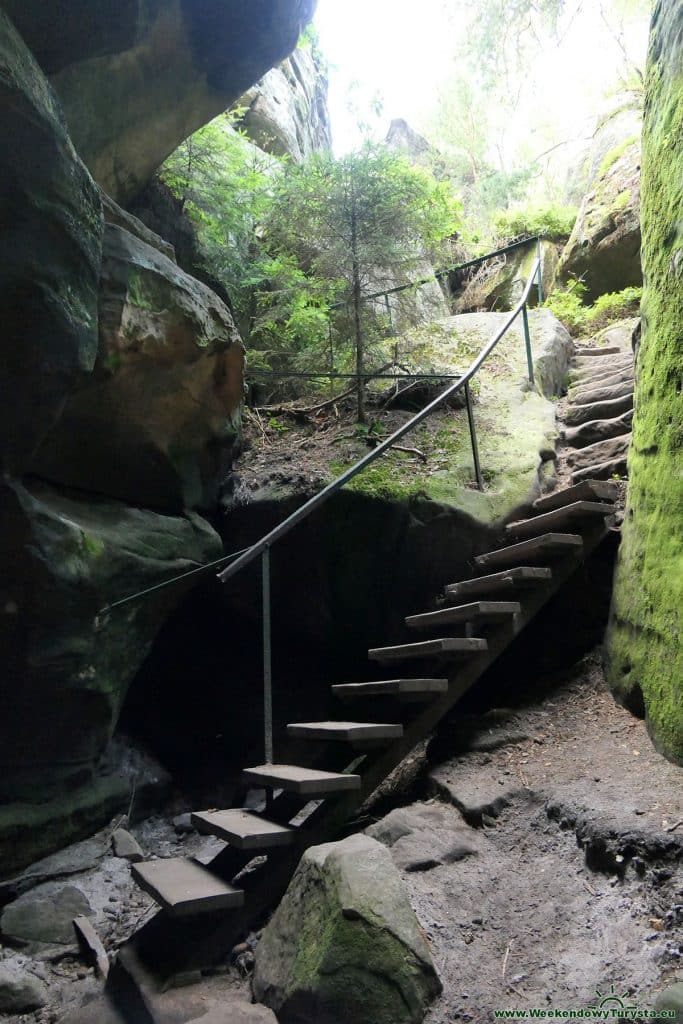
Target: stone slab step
[
  {"x": 242, "y": 829},
  {"x": 519, "y": 578},
  {"x": 578, "y": 414},
  {"x": 559, "y": 518},
  {"x": 181, "y": 885},
  {"x": 348, "y": 732},
  {"x": 303, "y": 781},
  {"x": 603, "y": 470},
  {"x": 601, "y": 393},
  {"x": 589, "y": 490},
  {"x": 477, "y": 611},
  {"x": 601, "y": 451},
  {"x": 609, "y": 362},
  {"x": 401, "y": 688},
  {"x": 604, "y": 351},
  {"x": 594, "y": 378},
  {"x": 446, "y": 647},
  {"x": 599, "y": 430},
  {"x": 548, "y": 546}
]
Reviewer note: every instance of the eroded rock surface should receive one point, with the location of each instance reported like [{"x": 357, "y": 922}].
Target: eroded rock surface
[
  {"x": 604, "y": 247},
  {"x": 155, "y": 422},
  {"x": 66, "y": 676},
  {"x": 137, "y": 78},
  {"x": 286, "y": 112},
  {"x": 49, "y": 256}
]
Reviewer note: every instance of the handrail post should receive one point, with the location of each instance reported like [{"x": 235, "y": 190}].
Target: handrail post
[
  {"x": 527, "y": 340},
  {"x": 540, "y": 271},
  {"x": 473, "y": 437},
  {"x": 267, "y": 657}
]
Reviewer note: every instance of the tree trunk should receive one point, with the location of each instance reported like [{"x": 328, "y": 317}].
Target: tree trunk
[{"x": 357, "y": 323}]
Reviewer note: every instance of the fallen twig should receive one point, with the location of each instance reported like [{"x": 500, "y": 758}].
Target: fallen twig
[
  {"x": 676, "y": 824},
  {"x": 505, "y": 959},
  {"x": 409, "y": 451}
]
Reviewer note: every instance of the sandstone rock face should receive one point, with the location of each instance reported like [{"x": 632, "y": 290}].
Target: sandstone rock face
[
  {"x": 137, "y": 78},
  {"x": 287, "y": 111},
  {"x": 65, "y": 677},
  {"x": 157, "y": 418},
  {"x": 604, "y": 248},
  {"x": 509, "y": 284},
  {"x": 645, "y": 655},
  {"x": 344, "y": 944},
  {"x": 49, "y": 256}
]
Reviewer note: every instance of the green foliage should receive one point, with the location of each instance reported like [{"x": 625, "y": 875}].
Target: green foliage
[
  {"x": 568, "y": 306},
  {"x": 353, "y": 226},
  {"x": 547, "y": 219},
  {"x": 224, "y": 184}
]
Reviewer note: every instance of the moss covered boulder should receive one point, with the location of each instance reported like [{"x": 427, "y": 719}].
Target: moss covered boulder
[
  {"x": 344, "y": 944},
  {"x": 644, "y": 649},
  {"x": 604, "y": 247},
  {"x": 66, "y": 672}
]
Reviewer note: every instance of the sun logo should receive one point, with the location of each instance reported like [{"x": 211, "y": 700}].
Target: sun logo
[{"x": 610, "y": 1000}]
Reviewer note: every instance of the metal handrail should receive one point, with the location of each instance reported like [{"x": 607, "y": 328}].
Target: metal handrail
[
  {"x": 321, "y": 497},
  {"x": 261, "y": 549}
]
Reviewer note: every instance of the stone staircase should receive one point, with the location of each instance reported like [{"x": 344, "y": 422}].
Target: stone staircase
[
  {"x": 599, "y": 413},
  {"x": 207, "y": 908}
]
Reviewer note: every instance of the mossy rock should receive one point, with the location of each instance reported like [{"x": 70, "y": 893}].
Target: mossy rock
[
  {"x": 344, "y": 944},
  {"x": 604, "y": 247},
  {"x": 644, "y": 649}
]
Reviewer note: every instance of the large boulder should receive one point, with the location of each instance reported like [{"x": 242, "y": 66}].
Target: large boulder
[
  {"x": 49, "y": 256},
  {"x": 604, "y": 247},
  {"x": 286, "y": 112},
  {"x": 645, "y": 654},
  {"x": 136, "y": 78},
  {"x": 344, "y": 944},
  {"x": 66, "y": 673},
  {"x": 155, "y": 423}
]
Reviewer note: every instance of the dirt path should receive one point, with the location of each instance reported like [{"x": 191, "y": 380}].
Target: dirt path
[{"x": 577, "y": 883}]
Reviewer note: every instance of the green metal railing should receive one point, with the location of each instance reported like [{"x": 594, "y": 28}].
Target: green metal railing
[{"x": 261, "y": 549}]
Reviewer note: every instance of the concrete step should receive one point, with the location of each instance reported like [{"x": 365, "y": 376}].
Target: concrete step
[
  {"x": 302, "y": 781},
  {"x": 599, "y": 430},
  {"x": 447, "y": 647},
  {"x": 348, "y": 732},
  {"x": 603, "y": 470},
  {"x": 560, "y": 518},
  {"x": 601, "y": 393},
  {"x": 520, "y": 578},
  {"x": 181, "y": 885},
  {"x": 407, "y": 689},
  {"x": 477, "y": 611},
  {"x": 589, "y": 490},
  {"x": 578, "y": 414},
  {"x": 244, "y": 830},
  {"x": 537, "y": 549}
]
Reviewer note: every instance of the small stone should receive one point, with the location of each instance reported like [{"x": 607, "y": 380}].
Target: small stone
[
  {"x": 183, "y": 824},
  {"x": 20, "y": 991},
  {"x": 44, "y": 917},
  {"x": 126, "y": 846}
]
